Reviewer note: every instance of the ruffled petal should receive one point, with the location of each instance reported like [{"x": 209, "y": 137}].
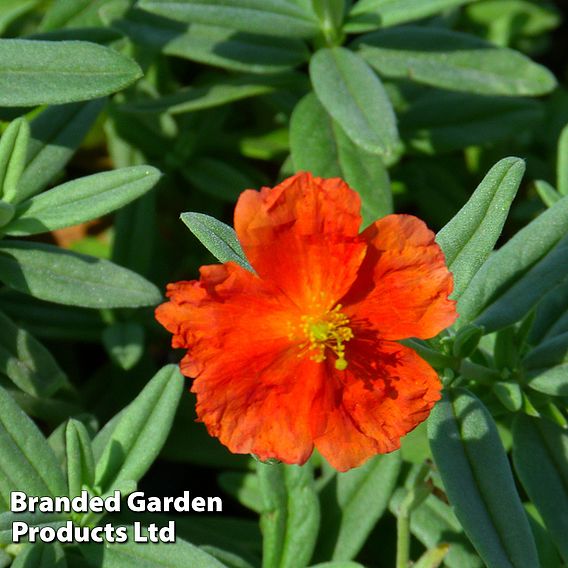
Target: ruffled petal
[
  {"x": 260, "y": 404},
  {"x": 303, "y": 235},
  {"x": 253, "y": 391},
  {"x": 403, "y": 284},
  {"x": 386, "y": 391}
]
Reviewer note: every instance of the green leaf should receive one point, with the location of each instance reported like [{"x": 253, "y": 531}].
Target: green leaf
[
  {"x": 13, "y": 149},
  {"x": 218, "y": 93},
  {"x": 217, "y": 178},
  {"x": 41, "y": 555},
  {"x": 546, "y": 366},
  {"x": 51, "y": 321},
  {"x": 74, "y": 14},
  {"x": 281, "y": 17},
  {"x": 547, "y": 193},
  {"x": 517, "y": 276},
  {"x": 244, "y": 488},
  {"x": 363, "y": 495},
  {"x": 38, "y": 519},
  {"x": 290, "y": 516},
  {"x": 562, "y": 162},
  {"x": 433, "y": 522},
  {"x": 221, "y": 47},
  {"x": 478, "y": 481},
  {"x": 27, "y": 362},
  {"x": 551, "y": 317},
  {"x": 330, "y": 14},
  {"x": 368, "y": 15},
  {"x": 444, "y": 121},
  {"x": 141, "y": 431},
  {"x": 319, "y": 145},
  {"x": 80, "y": 460},
  {"x": 454, "y": 61},
  {"x": 81, "y": 200},
  {"x": 509, "y": 394},
  {"x": 10, "y": 11},
  {"x": 149, "y": 555},
  {"x": 36, "y": 72},
  {"x": 547, "y": 552},
  {"x": 125, "y": 343},
  {"x": 219, "y": 239},
  {"x": 55, "y": 134},
  {"x": 540, "y": 456},
  {"x": 468, "y": 239},
  {"x": 355, "y": 97},
  {"x": 61, "y": 276},
  {"x": 27, "y": 463}
]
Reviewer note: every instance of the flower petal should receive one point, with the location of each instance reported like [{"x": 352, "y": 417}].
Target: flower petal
[
  {"x": 253, "y": 391},
  {"x": 386, "y": 391},
  {"x": 403, "y": 284},
  {"x": 303, "y": 235}
]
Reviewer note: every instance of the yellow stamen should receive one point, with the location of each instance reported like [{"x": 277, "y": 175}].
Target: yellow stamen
[{"x": 329, "y": 331}]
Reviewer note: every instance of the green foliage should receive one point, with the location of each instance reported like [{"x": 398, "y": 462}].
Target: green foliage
[
  {"x": 468, "y": 239},
  {"x": 319, "y": 145},
  {"x": 478, "y": 480},
  {"x": 290, "y": 515},
  {"x": 217, "y": 237},
  {"x": 455, "y": 61},
  {"x": 355, "y": 97},
  {"x": 414, "y": 104},
  {"x": 140, "y": 432},
  {"x": 36, "y": 72}
]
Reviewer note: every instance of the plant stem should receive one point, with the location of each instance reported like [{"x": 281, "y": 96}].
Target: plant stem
[{"x": 403, "y": 538}]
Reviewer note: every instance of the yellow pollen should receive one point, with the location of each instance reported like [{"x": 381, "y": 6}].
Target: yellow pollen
[{"x": 329, "y": 331}]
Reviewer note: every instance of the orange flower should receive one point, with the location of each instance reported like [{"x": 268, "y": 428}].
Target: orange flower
[{"x": 303, "y": 353}]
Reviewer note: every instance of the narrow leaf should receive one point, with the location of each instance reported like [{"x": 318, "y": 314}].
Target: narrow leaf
[
  {"x": 445, "y": 121},
  {"x": 27, "y": 362},
  {"x": 551, "y": 317},
  {"x": 517, "y": 276},
  {"x": 537, "y": 441},
  {"x": 319, "y": 145},
  {"x": 155, "y": 555},
  {"x": 221, "y": 47},
  {"x": 546, "y": 366},
  {"x": 468, "y": 239},
  {"x": 141, "y": 431},
  {"x": 28, "y": 463},
  {"x": 36, "y": 519},
  {"x": 290, "y": 516},
  {"x": 221, "y": 92},
  {"x": 55, "y": 135},
  {"x": 41, "y": 555},
  {"x": 478, "y": 481},
  {"x": 61, "y": 276},
  {"x": 81, "y": 200},
  {"x": 124, "y": 343},
  {"x": 80, "y": 460},
  {"x": 219, "y": 239},
  {"x": 368, "y": 15},
  {"x": 363, "y": 495},
  {"x": 453, "y": 60},
  {"x": 13, "y": 149},
  {"x": 547, "y": 193},
  {"x": 36, "y": 72},
  {"x": 355, "y": 97},
  {"x": 281, "y": 17}
]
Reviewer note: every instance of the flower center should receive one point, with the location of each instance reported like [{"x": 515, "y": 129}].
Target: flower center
[{"x": 330, "y": 331}]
